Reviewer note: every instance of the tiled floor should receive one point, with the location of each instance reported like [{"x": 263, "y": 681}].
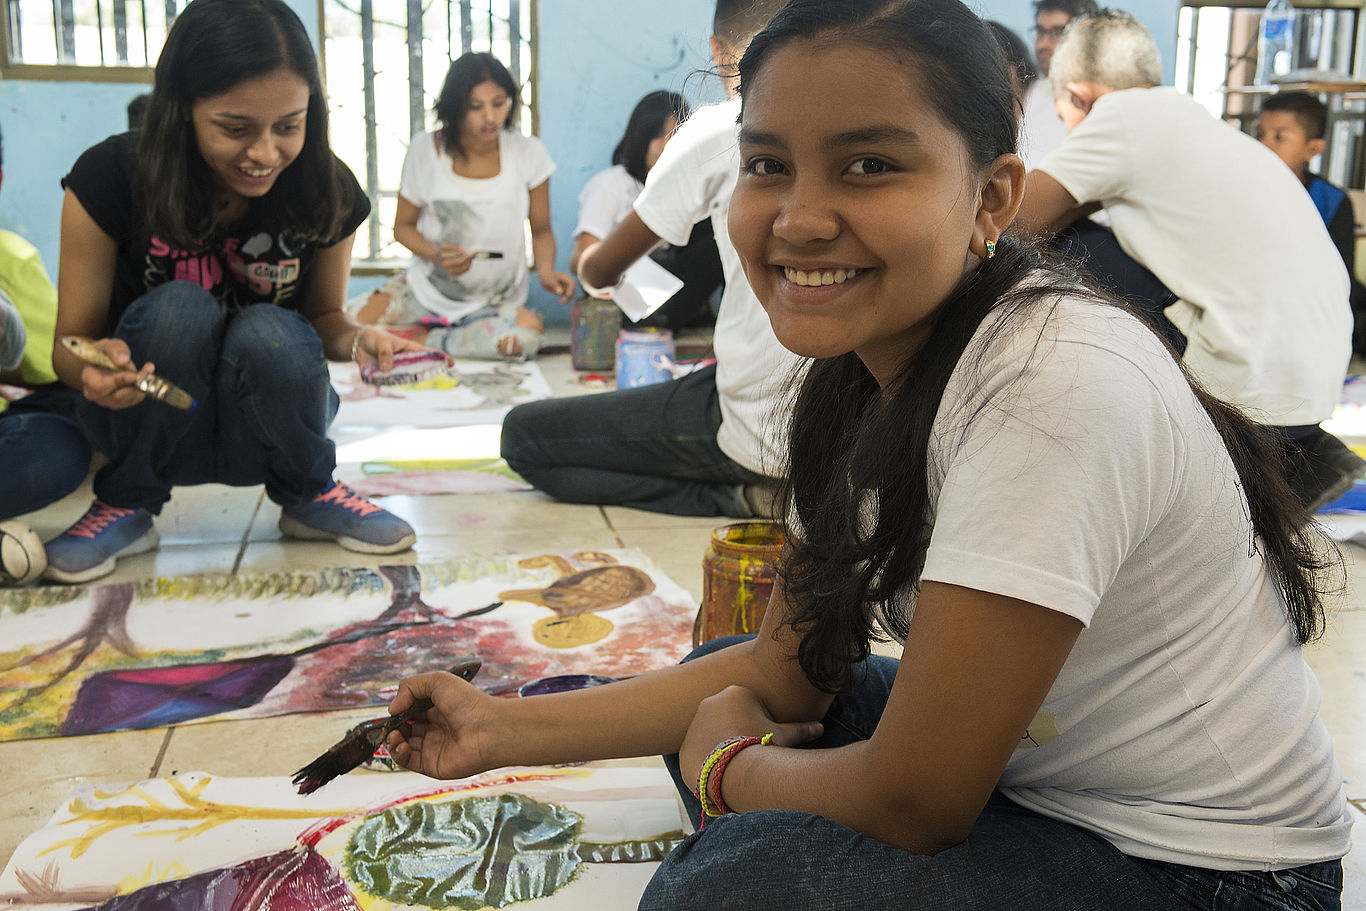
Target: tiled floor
[{"x": 219, "y": 529}]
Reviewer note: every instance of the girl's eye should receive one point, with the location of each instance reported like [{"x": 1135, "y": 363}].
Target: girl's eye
[
  {"x": 287, "y": 129},
  {"x": 234, "y": 132},
  {"x": 866, "y": 166},
  {"x": 763, "y": 167}
]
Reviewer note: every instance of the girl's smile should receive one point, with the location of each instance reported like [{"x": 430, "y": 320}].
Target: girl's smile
[
  {"x": 854, "y": 210},
  {"x": 248, "y": 135}
]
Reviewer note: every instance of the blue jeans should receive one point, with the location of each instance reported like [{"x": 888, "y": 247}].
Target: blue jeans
[
  {"x": 265, "y": 402},
  {"x": 43, "y": 457},
  {"x": 652, "y": 447},
  {"x": 1013, "y": 858}
]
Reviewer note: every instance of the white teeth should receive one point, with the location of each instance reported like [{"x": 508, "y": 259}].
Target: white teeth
[
  {"x": 817, "y": 277},
  {"x": 251, "y": 172}
]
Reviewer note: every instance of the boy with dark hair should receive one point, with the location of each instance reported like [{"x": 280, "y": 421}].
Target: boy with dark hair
[{"x": 1292, "y": 124}]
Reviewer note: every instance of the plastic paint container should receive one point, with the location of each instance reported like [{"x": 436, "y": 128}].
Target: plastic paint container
[
  {"x": 737, "y": 579},
  {"x": 644, "y": 357},
  {"x": 594, "y": 325}
]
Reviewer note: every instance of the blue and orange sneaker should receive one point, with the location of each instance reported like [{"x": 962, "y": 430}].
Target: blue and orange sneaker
[
  {"x": 342, "y": 515},
  {"x": 90, "y": 548}
]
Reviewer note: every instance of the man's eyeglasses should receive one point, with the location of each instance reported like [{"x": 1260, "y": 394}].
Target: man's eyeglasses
[{"x": 1055, "y": 32}]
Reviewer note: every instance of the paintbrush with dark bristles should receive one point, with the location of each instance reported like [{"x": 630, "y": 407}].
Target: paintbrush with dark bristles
[{"x": 358, "y": 746}]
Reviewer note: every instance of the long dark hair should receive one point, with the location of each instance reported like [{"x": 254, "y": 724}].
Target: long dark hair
[
  {"x": 453, "y": 103},
  {"x": 212, "y": 46},
  {"x": 648, "y": 119},
  {"x": 851, "y": 439}
]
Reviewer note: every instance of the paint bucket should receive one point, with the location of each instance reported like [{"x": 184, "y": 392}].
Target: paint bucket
[
  {"x": 594, "y": 325},
  {"x": 737, "y": 579},
  {"x": 644, "y": 357}
]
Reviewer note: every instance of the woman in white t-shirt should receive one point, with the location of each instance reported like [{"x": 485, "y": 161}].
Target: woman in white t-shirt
[
  {"x": 467, "y": 192},
  {"x": 608, "y": 197},
  {"x": 1096, "y": 572}
]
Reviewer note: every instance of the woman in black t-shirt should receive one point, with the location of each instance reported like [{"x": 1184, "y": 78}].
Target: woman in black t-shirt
[{"x": 214, "y": 246}]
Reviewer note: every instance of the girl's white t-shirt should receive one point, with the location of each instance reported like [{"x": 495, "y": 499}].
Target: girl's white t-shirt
[
  {"x": 484, "y": 214},
  {"x": 605, "y": 200},
  {"x": 1071, "y": 466}
]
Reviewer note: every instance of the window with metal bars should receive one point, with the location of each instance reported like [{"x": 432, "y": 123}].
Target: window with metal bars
[
  {"x": 385, "y": 61},
  {"x": 85, "y": 39}
]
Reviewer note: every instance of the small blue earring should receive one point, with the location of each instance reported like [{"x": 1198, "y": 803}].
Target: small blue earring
[{"x": 991, "y": 249}]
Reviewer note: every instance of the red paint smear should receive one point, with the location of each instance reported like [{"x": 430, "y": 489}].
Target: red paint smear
[{"x": 315, "y": 833}]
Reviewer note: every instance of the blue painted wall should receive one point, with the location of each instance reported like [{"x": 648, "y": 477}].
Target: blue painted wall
[{"x": 597, "y": 57}]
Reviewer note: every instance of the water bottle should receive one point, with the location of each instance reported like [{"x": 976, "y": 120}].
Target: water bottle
[{"x": 1276, "y": 41}]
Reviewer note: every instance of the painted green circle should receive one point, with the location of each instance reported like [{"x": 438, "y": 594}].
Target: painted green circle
[{"x": 473, "y": 853}]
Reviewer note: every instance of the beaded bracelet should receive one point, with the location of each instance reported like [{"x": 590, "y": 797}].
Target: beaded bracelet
[
  {"x": 709, "y": 778},
  {"x": 355, "y": 343}
]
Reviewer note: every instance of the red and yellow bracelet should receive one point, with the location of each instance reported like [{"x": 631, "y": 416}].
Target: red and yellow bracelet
[{"x": 709, "y": 778}]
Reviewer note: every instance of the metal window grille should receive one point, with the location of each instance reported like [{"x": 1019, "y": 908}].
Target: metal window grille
[
  {"x": 1216, "y": 58},
  {"x": 385, "y": 63},
  {"x": 122, "y": 35}
]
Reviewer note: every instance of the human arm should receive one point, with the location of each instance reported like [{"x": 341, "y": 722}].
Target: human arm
[
  {"x": 321, "y": 300},
  {"x": 85, "y": 283},
  {"x": 543, "y": 244},
  {"x": 452, "y": 258},
  {"x": 582, "y": 241},
  {"x": 1048, "y": 207},
  {"x": 13, "y": 335},
  {"x": 602, "y": 265},
  {"x": 975, "y": 669},
  {"x": 469, "y": 732},
  {"x": 1342, "y": 229}
]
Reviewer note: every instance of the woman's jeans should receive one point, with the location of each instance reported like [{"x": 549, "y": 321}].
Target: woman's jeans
[
  {"x": 43, "y": 457},
  {"x": 651, "y": 447},
  {"x": 1013, "y": 859},
  {"x": 265, "y": 402}
]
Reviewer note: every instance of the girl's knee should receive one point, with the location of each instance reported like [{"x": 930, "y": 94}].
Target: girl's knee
[
  {"x": 274, "y": 343},
  {"x": 170, "y": 317}
]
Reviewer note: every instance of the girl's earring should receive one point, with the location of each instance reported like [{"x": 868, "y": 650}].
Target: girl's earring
[{"x": 991, "y": 249}]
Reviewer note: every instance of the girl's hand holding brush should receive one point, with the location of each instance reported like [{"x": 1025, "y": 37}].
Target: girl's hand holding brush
[{"x": 115, "y": 383}]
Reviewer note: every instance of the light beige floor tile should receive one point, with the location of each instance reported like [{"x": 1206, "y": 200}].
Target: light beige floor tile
[
  {"x": 272, "y": 556},
  {"x": 678, "y": 551},
  {"x": 1353, "y": 596},
  {"x": 260, "y": 747},
  {"x": 1339, "y": 660},
  {"x": 175, "y": 560},
  {"x": 209, "y": 514},
  {"x": 35, "y": 775},
  {"x": 623, "y": 517}
]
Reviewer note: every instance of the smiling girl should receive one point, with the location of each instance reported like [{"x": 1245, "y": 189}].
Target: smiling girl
[
  {"x": 214, "y": 246},
  {"x": 1092, "y": 565}
]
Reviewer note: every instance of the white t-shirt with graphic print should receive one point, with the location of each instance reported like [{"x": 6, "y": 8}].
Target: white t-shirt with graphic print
[{"x": 479, "y": 214}]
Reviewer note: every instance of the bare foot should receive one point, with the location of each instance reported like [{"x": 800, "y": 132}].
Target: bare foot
[
  {"x": 374, "y": 309},
  {"x": 528, "y": 319}
]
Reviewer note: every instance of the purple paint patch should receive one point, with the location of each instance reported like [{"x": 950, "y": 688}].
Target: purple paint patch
[
  {"x": 288, "y": 881},
  {"x": 562, "y": 684}
]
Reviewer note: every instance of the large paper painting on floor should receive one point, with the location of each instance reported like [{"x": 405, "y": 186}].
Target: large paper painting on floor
[
  {"x": 171, "y": 651},
  {"x": 470, "y": 392},
  {"x": 586, "y": 837}
]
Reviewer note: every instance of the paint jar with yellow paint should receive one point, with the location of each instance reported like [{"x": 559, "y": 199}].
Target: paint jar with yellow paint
[{"x": 737, "y": 579}]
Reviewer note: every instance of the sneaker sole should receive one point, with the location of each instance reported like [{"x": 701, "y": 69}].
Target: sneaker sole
[
  {"x": 22, "y": 557},
  {"x": 148, "y": 541},
  {"x": 293, "y": 528}
]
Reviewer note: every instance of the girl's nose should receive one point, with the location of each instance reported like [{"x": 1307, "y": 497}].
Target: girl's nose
[
  {"x": 806, "y": 217},
  {"x": 264, "y": 150}
]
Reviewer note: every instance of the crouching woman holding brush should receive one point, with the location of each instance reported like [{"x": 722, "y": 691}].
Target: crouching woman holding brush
[
  {"x": 214, "y": 246},
  {"x": 1094, "y": 566}
]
